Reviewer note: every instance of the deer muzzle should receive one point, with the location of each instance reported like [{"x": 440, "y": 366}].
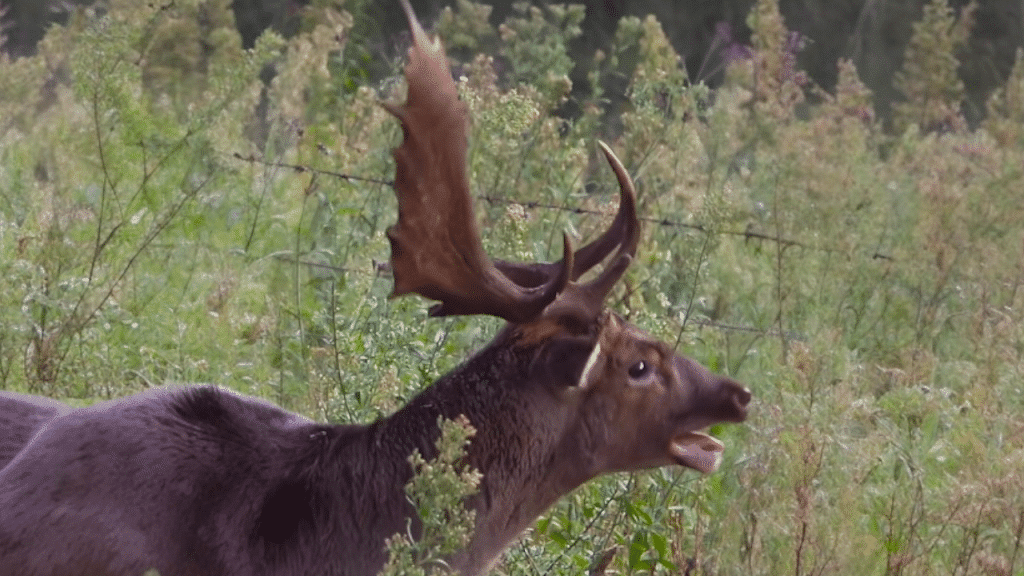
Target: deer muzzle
[{"x": 715, "y": 399}]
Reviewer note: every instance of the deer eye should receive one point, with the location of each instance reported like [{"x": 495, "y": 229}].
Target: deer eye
[{"x": 639, "y": 370}]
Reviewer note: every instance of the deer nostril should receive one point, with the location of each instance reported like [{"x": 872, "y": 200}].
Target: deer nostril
[
  {"x": 739, "y": 397},
  {"x": 742, "y": 395}
]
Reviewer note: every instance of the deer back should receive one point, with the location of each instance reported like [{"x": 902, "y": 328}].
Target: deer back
[{"x": 21, "y": 417}]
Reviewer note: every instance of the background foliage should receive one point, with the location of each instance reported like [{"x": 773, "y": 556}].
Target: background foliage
[
  {"x": 874, "y": 34},
  {"x": 178, "y": 208}
]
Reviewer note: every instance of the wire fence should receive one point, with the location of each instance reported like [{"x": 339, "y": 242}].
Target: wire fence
[
  {"x": 749, "y": 233},
  {"x": 383, "y": 268}
]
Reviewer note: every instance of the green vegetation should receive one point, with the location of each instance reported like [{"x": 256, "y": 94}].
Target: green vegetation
[
  {"x": 437, "y": 491},
  {"x": 167, "y": 217}
]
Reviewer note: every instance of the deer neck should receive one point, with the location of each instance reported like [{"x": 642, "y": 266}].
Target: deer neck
[{"x": 520, "y": 445}]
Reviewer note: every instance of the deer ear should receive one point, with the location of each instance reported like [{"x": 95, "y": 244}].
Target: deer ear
[{"x": 566, "y": 362}]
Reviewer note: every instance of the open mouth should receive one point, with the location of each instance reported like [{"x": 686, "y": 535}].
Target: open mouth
[{"x": 698, "y": 451}]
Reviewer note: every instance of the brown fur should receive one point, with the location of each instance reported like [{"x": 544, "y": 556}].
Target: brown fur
[
  {"x": 200, "y": 481},
  {"x": 203, "y": 481}
]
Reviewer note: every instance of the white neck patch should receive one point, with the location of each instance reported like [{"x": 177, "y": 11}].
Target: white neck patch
[{"x": 591, "y": 361}]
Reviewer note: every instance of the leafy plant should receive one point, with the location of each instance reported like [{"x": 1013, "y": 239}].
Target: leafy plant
[{"x": 437, "y": 491}]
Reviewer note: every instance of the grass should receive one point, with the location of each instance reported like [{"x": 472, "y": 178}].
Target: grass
[{"x": 866, "y": 284}]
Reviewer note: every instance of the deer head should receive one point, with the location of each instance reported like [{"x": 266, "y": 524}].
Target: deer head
[
  {"x": 592, "y": 393},
  {"x": 437, "y": 252}
]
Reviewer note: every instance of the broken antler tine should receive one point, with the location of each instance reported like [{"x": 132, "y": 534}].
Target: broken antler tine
[{"x": 568, "y": 257}]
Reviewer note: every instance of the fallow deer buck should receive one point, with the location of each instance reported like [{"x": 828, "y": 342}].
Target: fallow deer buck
[{"x": 199, "y": 481}]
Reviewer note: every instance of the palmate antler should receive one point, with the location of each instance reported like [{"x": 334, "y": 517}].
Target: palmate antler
[{"x": 435, "y": 246}]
